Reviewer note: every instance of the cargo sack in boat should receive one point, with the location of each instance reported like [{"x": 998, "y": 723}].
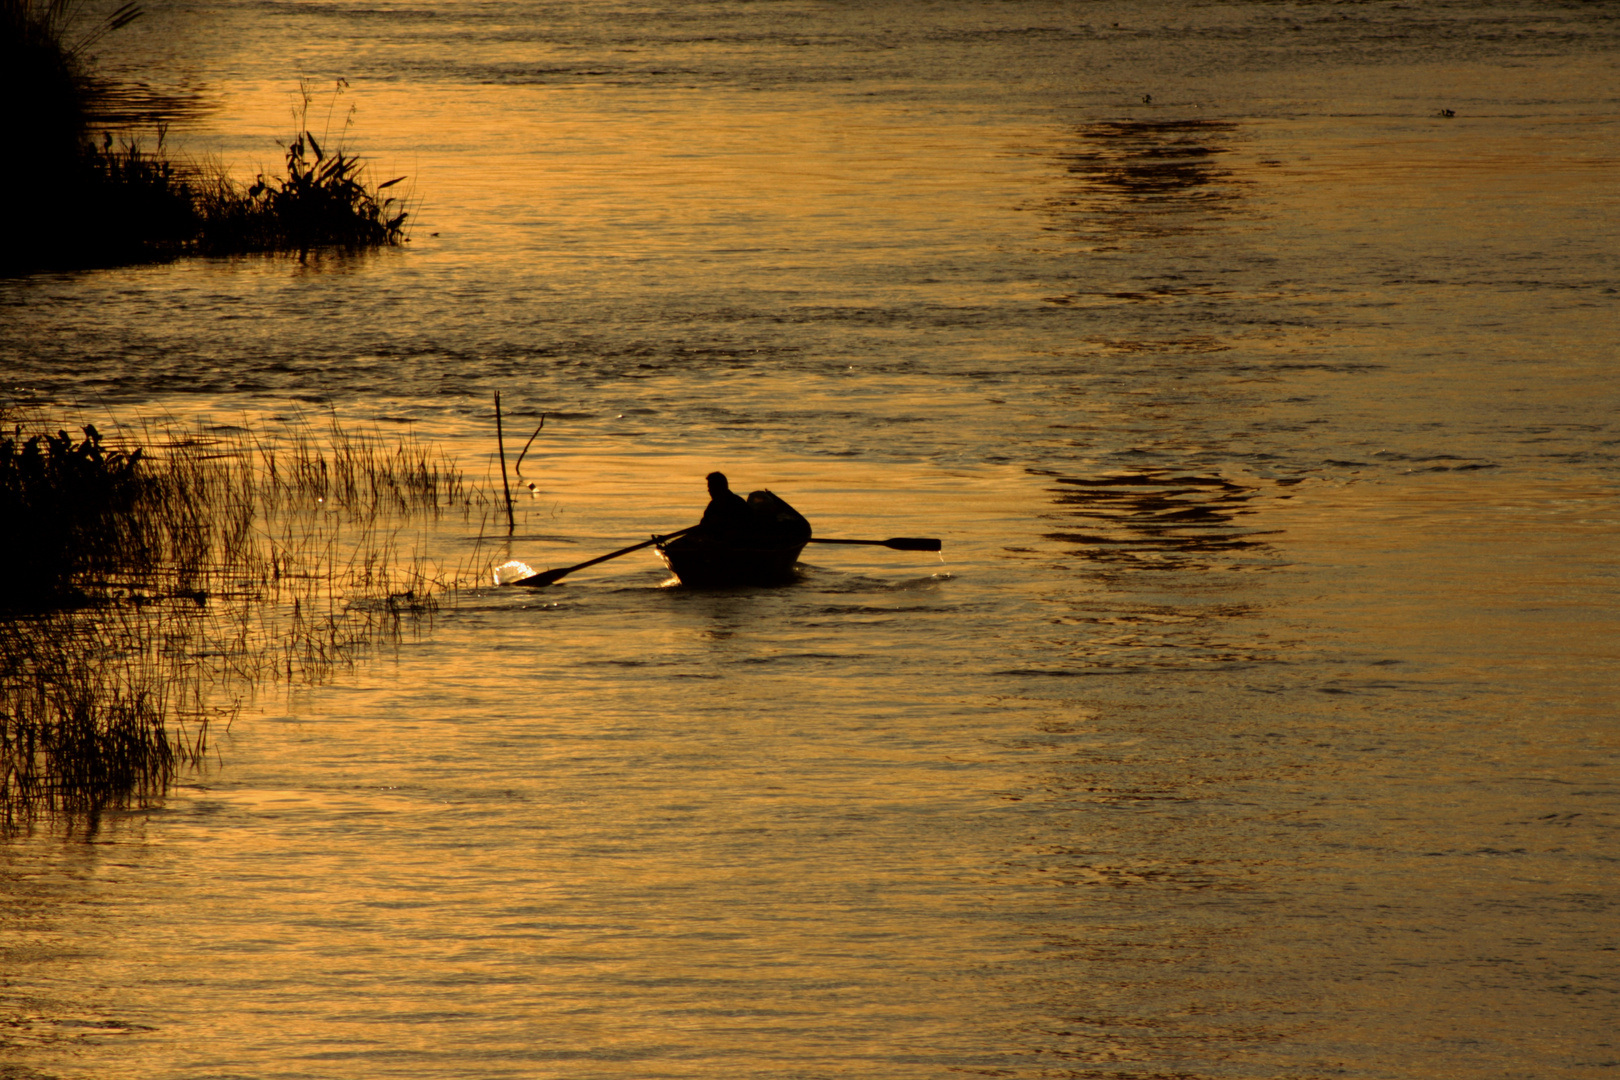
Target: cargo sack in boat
[{"x": 775, "y": 522}]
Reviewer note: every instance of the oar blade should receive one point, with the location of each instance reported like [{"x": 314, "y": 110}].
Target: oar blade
[{"x": 540, "y": 581}]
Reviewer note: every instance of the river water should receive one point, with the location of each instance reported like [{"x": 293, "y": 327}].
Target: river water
[{"x": 1258, "y": 719}]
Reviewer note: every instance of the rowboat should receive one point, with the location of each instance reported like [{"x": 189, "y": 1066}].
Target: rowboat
[
  {"x": 707, "y": 562},
  {"x": 752, "y": 543},
  {"x": 763, "y": 553}
]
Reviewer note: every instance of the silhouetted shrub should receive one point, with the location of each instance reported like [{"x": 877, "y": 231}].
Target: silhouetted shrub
[
  {"x": 67, "y": 509},
  {"x": 73, "y": 203}
]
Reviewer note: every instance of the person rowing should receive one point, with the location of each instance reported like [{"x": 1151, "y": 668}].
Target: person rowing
[
  {"x": 763, "y": 520},
  {"x": 728, "y": 516}
]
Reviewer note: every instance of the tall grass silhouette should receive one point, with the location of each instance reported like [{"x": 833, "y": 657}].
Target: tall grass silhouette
[{"x": 148, "y": 592}]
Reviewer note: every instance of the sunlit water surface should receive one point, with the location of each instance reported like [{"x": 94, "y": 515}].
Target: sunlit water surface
[{"x": 1258, "y": 720}]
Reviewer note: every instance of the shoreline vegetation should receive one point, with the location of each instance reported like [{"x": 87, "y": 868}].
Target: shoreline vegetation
[
  {"x": 158, "y": 577},
  {"x": 89, "y": 199},
  {"x": 151, "y": 591}
]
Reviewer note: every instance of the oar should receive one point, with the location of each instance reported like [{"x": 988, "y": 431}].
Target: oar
[
  {"x": 898, "y": 543},
  {"x": 551, "y": 576}
]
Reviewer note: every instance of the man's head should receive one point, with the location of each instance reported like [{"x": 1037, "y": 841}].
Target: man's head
[{"x": 718, "y": 484}]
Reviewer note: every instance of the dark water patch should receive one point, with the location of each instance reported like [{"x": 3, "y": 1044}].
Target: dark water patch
[
  {"x": 867, "y": 609},
  {"x": 1470, "y": 467},
  {"x": 140, "y": 105},
  {"x": 859, "y": 583},
  {"x": 1196, "y": 343},
  {"x": 1174, "y": 543},
  {"x": 1122, "y": 613},
  {"x": 1082, "y": 868},
  {"x": 1395, "y": 455},
  {"x": 1154, "y": 512},
  {"x": 1335, "y": 367},
  {"x": 1139, "y": 179},
  {"x": 1070, "y": 673},
  {"x": 789, "y": 658}
]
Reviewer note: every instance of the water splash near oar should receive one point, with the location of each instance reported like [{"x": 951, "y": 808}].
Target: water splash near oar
[{"x": 510, "y": 573}]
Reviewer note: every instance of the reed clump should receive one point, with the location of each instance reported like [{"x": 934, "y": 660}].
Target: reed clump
[
  {"x": 118, "y": 203},
  {"x": 166, "y": 584},
  {"x": 80, "y": 201},
  {"x": 323, "y": 201}
]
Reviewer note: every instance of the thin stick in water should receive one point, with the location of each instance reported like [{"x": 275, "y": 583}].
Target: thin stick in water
[
  {"x": 518, "y": 468},
  {"x": 500, "y": 445}
]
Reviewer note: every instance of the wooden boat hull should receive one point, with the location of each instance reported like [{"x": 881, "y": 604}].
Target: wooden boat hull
[
  {"x": 762, "y": 549},
  {"x": 708, "y": 563}
]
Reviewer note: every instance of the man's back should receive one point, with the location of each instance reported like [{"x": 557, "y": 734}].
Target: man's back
[{"x": 727, "y": 516}]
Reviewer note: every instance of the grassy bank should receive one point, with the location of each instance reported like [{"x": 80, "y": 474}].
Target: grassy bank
[
  {"x": 154, "y": 589},
  {"x": 80, "y": 197}
]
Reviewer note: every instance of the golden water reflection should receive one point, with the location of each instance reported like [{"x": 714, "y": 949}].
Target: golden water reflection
[{"x": 1257, "y": 723}]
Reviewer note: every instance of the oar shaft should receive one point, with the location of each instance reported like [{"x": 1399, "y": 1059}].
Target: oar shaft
[
  {"x": 549, "y": 576},
  {"x": 632, "y": 547}
]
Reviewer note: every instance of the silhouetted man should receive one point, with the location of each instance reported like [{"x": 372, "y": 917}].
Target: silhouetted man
[{"x": 727, "y": 516}]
